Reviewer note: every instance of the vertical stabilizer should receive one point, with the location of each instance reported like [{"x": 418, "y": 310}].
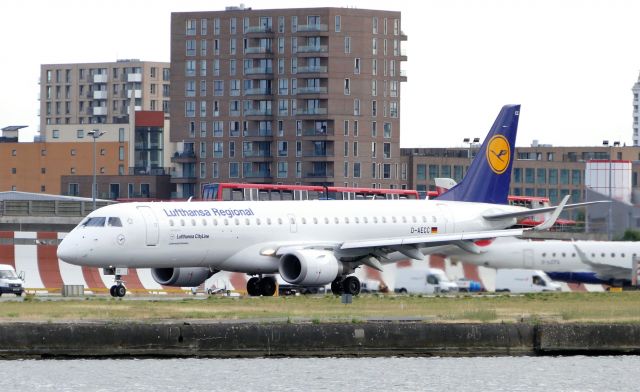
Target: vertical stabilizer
[{"x": 489, "y": 176}]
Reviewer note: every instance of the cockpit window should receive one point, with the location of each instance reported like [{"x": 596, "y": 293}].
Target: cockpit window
[
  {"x": 114, "y": 221},
  {"x": 95, "y": 221}
]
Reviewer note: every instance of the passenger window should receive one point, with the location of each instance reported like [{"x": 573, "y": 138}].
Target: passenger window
[
  {"x": 215, "y": 222},
  {"x": 424, "y": 219},
  {"x": 247, "y": 222},
  {"x": 226, "y": 222},
  {"x": 236, "y": 221},
  {"x": 114, "y": 221},
  {"x": 404, "y": 219},
  {"x": 613, "y": 255},
  {"x": 181, "y": 222},
  {"x": 326, "y": 220},
  {"x": 193, "y": 222},
  {"x": 315, "y": 220},
  {"x": 564, "y": 254},
  {"x": 268, "y": 221},
  {"x": 337, "y": 220},
  {"x": 621, "y": 254},
  {"x": 292, "y": 220},
  {"x": 356, "y": 220},
  {"x": 384, "y": 220},
  {"x": 279, "y": 221},
  {"x": 544, "y": 254},
  {"x": 375, "y": 219},
  {"x": 304, "y": 221},
  {"x": 602, "y": 254},
  {"x": 414, "y": 219},
  {"x": 170, "y": 222},
  {"x": 204, "y": 222},
  {"x": 365, "y": 220},
  {"x": 258, "y": 221},
  {"x": 346, "y": 219},
  {"x": 393, "y": 219}
]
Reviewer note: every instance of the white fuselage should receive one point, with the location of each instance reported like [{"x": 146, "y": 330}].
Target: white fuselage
[
  {"x": 555, "y": 257},
  {"x": 241, "y": 236}
]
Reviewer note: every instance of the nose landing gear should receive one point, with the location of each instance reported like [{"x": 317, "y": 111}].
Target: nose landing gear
[{"x": 118, "y": 289}]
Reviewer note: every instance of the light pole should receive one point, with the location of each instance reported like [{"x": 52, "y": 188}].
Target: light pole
[
  {"x": 95, "y": 134},
  {"x": 609, "y": 220},
  {"x": 471, "y": 143}
]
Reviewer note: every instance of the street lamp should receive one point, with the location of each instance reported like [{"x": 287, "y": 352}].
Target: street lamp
[
  {"x": 609, "y": 220},
  {"x": 95, "y": 134},
  {"x": 471, "y": 143}
]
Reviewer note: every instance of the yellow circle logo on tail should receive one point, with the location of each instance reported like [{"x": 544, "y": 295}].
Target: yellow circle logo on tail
[{"x": 498, "y": 154}]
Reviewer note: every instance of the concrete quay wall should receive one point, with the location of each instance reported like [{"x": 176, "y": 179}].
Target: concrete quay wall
[{"x": 203, "y": 339}]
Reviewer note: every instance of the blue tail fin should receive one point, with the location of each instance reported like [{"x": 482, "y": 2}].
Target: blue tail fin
[{"x": 489, "y": 176}]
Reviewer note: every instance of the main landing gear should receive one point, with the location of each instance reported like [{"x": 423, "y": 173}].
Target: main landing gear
[
  {"x": 265, "y": 286},
  {"x": 348, "y": 285},
  {"x": 118, "y": 289}
]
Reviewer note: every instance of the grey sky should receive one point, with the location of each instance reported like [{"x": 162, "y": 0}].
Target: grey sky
[{"x": 570, "y": 63}]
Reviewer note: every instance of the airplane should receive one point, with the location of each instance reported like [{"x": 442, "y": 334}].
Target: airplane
[
  {"x": 594, "y": 262},
  {"x": 313, "y": 242}
]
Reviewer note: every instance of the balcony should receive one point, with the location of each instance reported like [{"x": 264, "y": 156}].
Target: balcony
[
  {"x": 258, "y": 29},
  {"x": 318, "y": 154},
  {"x": 313, "y": 69},
  {"x": 100, "y": 94},
  {"x": 313, "y": 28},
  {"x": 312, "y": 111},
  {"x": 311, "y": 90},
  {"x": 137, "y": 109},
  {"x": 184, "y": 157},
  {"x": 258, "y": 50},
  {"x": 259, "y": 71},
  {"x": 312, "y": 49},
  {"x": 257, "y": 154},
  {"x": 134, "y": 77},
  {"x": 320, "y": 174},
  {"x": 317, "y": 132},
  {"x": 258, "y": 91},
  {"x": 258, "y": 112},
  {"x": 185, "y": 178},
  {"x": 135, "y": 93},
  {"x": 145, "y": 171},
  {"x": 403, "y": 75},
  {"x": 99, "y": 110},
  {"x": 257, "y": 174},
  {"x": 100, "y": 78},
  {"x": 258, "y": 133}
]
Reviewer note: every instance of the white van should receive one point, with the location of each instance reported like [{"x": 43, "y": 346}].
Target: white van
[
  {"x": 423, "y": 281},
  {"x": 10, "y": 282},
  {"x": 524, "y": 281}
]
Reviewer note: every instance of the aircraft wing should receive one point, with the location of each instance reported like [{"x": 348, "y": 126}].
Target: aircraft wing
[
  {"x": 372, "y": 251},
  {"x": 603, "y": 270}
]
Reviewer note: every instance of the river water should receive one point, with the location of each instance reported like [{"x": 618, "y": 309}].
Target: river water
[{"x": 549, "y": 374}]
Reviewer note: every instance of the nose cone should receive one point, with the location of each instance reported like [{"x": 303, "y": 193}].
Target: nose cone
[{"x": 69, "y": 251}]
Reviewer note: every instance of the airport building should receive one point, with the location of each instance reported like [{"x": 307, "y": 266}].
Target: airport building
[{"x": 308, "y": 95}]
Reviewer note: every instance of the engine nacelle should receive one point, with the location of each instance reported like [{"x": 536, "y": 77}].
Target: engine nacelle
[
  {"x": 181, "y": 277},
  {"x": 310, "y": 267}
]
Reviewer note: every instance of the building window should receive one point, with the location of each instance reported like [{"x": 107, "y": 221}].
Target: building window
[
  {"x": 13, "y": 170},
  {"x": 80, "y": 133},
  {"x": 529, "y": 176},
  {"x": 73, "y": 152},
  {"x": 347, "y": 45},
  {"x": 576, "y": 177},
  {"x": 347, "y": 86},
  {"x": 191, "y": 27},
  {"x": 121, "y": 153},
  {"x": 386, "y": 153},
  {"x": 283, "y": 169},
  {"x": 553, "y": 176},
  {"x": 55, "y": 134},
  {"x": 338, "y": 24}
]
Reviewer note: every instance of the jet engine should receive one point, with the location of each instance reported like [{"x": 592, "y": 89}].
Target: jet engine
[
  {"x": 181, "y": 277},
  {"x": 310, "y": 267}
]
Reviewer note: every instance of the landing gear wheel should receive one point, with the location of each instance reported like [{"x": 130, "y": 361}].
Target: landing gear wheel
[
  {"x": 253, "y": 286},
  {"x": 336, "y": 287},
  {"x": 112, "y": 291},
  {"x": 121, "y": 291},
  {"x": 267, "y": 286},
  {"x": 351, "y": 285}
]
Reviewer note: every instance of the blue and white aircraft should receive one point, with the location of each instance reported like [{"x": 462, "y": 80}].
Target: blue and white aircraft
[{"x": 307, "y": 242}]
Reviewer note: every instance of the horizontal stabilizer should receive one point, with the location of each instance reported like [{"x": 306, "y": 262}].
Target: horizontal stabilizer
[{"x": 535, "y": 211}]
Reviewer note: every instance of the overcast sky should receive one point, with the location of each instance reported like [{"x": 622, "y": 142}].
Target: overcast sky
[{"x": 571, "y": 64}]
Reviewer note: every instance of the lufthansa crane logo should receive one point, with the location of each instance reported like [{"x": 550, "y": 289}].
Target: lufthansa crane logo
[{"x": 498, "y": 154}]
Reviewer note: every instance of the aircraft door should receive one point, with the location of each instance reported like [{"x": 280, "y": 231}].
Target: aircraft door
[
  {"x": 293, "y": 225},
  {"x": 527, "y": 258},
  {"x": 151, "y": 225},
  {"x": 444, "y": 220}
]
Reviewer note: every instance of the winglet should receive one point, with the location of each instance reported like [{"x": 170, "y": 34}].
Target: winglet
[{"x": 554, "y": 216}]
